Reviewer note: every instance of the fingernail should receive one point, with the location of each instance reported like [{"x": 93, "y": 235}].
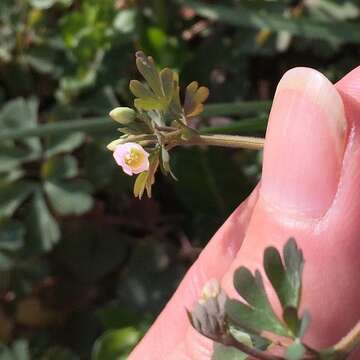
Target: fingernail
[{"x": 305, "y": 142}]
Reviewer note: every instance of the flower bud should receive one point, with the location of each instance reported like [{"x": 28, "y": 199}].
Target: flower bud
[
  {"x": 208, "y": 315},
  {"x": 123, "y": 115}
]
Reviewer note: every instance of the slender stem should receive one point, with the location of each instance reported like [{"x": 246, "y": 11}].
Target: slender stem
[
  {"x": 233, "y": 141},
  {"x": 138, "y": 138},
  {"x": 172, "y": 140},
  {"x": 94, "y": 125},
  {"x": 350, "y": 341},
  {"x": 165, "y": 128},
  {"x": 261, "y": 355},
  {"x": 61, "y": 127}
]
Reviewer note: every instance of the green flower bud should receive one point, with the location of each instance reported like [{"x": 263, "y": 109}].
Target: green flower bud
[
  {"x": 123, "y": 115},
  {"x": 208, "y": 316}
]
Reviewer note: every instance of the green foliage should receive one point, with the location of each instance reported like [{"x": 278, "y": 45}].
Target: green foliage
[
  {"x": 115, "y": 343},
  {"x": 71, "y": 236},
  {"x": 253, "y": 16},
  {"x": 259, "y": 316},
  {"x": 222, "y": 352},
  {"x": 295, "y": 351},
  {"x": 18, "y": 351},
  {"x": 251, "y": 328},
  {"x": 286, "y": 280},
  {"x": 43, "y": 229}
]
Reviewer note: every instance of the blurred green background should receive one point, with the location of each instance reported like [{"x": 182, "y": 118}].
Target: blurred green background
[{"x": 85, "y": 267}]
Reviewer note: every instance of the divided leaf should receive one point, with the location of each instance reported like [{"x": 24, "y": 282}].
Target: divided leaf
[
  {"x": 148, "y": 70},
  {"x": 60, "y": 167},
  {"x": 295, "y": 351},
  {"x": 44, "y": 231},
  {"x": 175, "y": 108},
  {"x": 162, "y": 91},
  {"x": 158, "y": 92},
  {"x": 69, "y": 198},
  {"x": 11, "y": 157},
  {"x": 12, "y": 236},
  {"x": 294, "y": 262},
  {"x": 140, "y": 90},
  {"x": 258, "y": 315},
  {"x": 167, "y": 81},
  {"x": 12, "y": 195},
  {"x": 194, "y": 98},
  {"x": 58, "y": 144},
  {"x": 286, "y": 280}
]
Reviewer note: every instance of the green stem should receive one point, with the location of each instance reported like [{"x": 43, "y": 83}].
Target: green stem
[
  {"x": 232, "y": 141},
  {"x": 61, "y": 127},
  {"x": 105, "y": 124},
  {"x": 349, "y": 342},
  {"x": 254, "y": 353}
]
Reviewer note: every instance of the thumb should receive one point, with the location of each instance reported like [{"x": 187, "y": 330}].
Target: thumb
[
  {"x": 311, "y": 156},
  {"x": 305, "y": 144}
]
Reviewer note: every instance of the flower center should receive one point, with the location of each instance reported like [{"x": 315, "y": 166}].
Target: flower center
[{"x": 134, "y": 158}]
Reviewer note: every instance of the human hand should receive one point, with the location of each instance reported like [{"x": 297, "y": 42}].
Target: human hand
[{"x": 309, "y": 189}]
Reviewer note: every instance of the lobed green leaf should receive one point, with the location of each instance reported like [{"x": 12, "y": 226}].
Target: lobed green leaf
[
  {"x": 43, "y": 229},
  {"x": 295, "y": 351},
  {"x": 71, "y": 198},
  {"x": 285, "y": 278},
  {"x": 147, "y": 69},
  {"x": 258, "y": 315}
]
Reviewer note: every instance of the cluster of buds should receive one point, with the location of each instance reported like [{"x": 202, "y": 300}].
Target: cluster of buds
[
  {"x": 208, "y": 316},
  {"x": 130, "y": 156},
  {"x": 160, "y": 122},
  {"x": 157, "y": 123}
]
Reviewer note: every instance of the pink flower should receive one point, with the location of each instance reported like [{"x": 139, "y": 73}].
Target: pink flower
[{"x": 132, "y": 158}]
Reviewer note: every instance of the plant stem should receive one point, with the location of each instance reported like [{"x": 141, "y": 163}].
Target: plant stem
[
  {"x": 94, "y": 125},
  {"x": 350, "y": 341},
  {"x": 232, "y": 141},
  {"x": 172, "y": 140},
  {"x": 61, "y": 127},
  {"x": 257, "y": 354}
]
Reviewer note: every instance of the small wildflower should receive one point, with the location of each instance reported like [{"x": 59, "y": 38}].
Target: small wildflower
[
  {"x": 132, "y": 158},
  {"x": 123, "y": 115}
]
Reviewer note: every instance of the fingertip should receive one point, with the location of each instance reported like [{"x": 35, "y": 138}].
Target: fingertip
[{"x": 350, "y": 84}]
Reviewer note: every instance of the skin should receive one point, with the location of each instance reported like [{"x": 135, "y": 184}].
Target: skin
[{"x": 310, "y": 189}]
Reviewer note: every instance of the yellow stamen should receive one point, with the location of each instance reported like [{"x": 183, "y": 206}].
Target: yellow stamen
[{"x": 134, "y": 158}]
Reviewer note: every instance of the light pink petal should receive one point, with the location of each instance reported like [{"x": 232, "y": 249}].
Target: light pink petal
[
  {"x": 127, "y": 170},
  {"x": 120, "y": 153}
]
